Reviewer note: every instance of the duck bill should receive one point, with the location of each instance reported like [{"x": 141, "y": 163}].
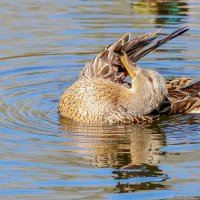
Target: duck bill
[{"x": 128, "y": 64}]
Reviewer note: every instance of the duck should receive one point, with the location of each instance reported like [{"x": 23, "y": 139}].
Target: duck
[{"x": 102, "y": 96}]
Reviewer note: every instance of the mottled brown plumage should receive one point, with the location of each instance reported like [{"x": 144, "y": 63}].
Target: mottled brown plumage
[
  {"x": 183, "y": 96},
  {"x": 100, "y": 95}
]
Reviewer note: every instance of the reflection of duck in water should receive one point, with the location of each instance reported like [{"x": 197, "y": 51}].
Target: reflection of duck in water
[
  {"x": 100, "y": 96},
  {"x": 132, "y": 152},
  {"x": 116, "y": 146}
]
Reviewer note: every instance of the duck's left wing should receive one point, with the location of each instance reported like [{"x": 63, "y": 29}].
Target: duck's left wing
[{"x": 107, "y": 64}]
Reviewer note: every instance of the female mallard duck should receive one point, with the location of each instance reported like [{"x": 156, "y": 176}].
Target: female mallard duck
[{"x": 100, "y": 95}]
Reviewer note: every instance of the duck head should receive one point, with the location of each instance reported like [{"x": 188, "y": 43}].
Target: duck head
[{"x": 148, "y": 86}]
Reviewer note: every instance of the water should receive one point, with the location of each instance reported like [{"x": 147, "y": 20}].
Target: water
[{"x": 43, "y": 47}]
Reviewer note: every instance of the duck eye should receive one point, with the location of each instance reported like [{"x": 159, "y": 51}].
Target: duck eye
[{"x": 150, "y": 79}]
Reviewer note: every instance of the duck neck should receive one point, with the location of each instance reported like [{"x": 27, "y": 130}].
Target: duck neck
[{"x": 140, "y": 101}]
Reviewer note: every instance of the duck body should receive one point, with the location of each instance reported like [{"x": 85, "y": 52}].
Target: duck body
[
  {"x": 100, "y": 97},
  {"x": 101, "y": 101},
  {"x": 91, "y": 100}
]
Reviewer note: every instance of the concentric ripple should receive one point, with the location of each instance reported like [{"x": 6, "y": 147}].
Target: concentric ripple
[{"x": 29, "y": 99}]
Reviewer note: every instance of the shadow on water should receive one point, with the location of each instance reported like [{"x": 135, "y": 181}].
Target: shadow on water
[{"x": 132, "y": 151}]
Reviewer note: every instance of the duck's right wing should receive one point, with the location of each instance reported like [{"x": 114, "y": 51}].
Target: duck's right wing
[
  {"x": 182, "y": 96},
  {"x": 178, "y": 83},
  {"x": 185, "y": 99}
]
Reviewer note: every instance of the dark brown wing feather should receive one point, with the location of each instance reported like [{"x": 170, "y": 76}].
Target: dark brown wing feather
[
  {"x": 181, "y": 96},
  {"x": 107, "y": 64},
  {"x": 185, "y": 105}
]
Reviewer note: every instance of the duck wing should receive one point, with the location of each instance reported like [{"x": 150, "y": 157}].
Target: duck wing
[
  {"x": 178, "y": 83},
  {"x": 186, "y": 99},
  {"x": 107, "y": 63},
  {"x": 182, "y": 96}
]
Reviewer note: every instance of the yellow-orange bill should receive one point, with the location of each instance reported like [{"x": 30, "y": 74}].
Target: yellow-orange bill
[{"x": 125, "y": 61}]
